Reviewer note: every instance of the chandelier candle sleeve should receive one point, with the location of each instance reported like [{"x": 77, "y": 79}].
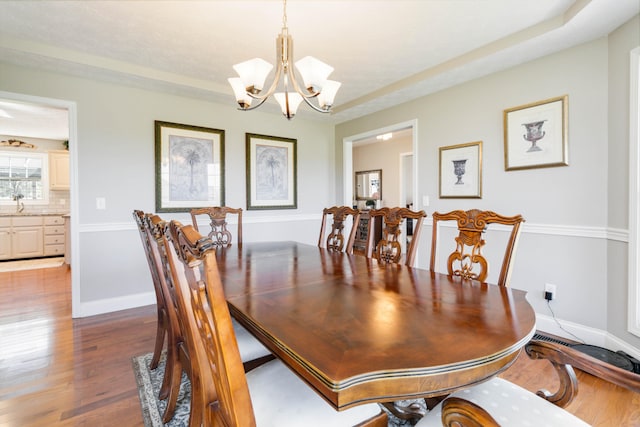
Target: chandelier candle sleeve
[{"x": 315, "y": 73}]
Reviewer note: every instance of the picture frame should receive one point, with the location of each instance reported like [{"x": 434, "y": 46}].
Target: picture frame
[
  {"x": 189, "y": 167},
  {"x": 461, "y": 171},
  {"x": 271, "y": 172},
  {"x": 536, "y": 134}
]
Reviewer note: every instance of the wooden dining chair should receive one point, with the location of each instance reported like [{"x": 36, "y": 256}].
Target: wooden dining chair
[
  {"x": 389, "y": 248},
  {"x": 217, "y": 215},
  {"x": 335, "y": 240},
  {"x": 162, "y": 323},
  {"x": 499, "y": 402},
  {"x": 253, "y": 353},
  {"x": 270, "y": 395},
  {"x": 467, "y": 260}
]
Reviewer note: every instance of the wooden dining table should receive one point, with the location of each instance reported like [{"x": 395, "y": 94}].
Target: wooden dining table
[{"x": 359, "y": 331}]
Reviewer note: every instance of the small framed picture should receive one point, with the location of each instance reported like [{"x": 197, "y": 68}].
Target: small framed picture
[
  {"x": 189, "y": 167},
  {"x": 536, "y": 135},
  {"x": 461, "y": 171},
  {"x": 271, "y": 172}
]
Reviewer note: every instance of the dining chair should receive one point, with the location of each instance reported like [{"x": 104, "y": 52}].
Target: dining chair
[
  {"x": 217, "y": 215},
  {"x": 335, "y": 240},
  {"x": 499, "y": 402},
  {"x": 389, "y": 248},
  {"x": 270, "y": 395},
  {"x": 253, "y": 353},
  {"x": 162, "y": 323},
  {"x": 467, "y": 260}
]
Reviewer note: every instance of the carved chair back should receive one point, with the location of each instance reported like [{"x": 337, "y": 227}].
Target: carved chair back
[
  {"x": 389, "y": 248},
  {"x": 219, "y": 233},
  {"x": 224, "y": 394},
  {"x": 335, "y": 240},
  {"x": 177, "y": 358},
  {"x": 140, "y": 217},
  {"x": 467, "y": 260}
]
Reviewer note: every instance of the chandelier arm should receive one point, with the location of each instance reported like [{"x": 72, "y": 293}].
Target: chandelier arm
[
  {"x": 261, "y": 101},
  {"x": 305, "y": 97},
  {"x": 310, "y": 104}
]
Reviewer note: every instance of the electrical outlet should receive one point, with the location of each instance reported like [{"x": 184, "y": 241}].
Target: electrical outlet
[{"x": 549, "y": 291}]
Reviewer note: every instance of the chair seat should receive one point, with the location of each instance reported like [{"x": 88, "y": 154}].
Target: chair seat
[
  {"x": 248, "y": 345},
  {"x": 281, "y": 399},
  {"x": 510, "y": 405}
]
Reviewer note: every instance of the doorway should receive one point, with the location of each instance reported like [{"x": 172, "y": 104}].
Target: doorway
[
  {"x": 73, "y": 207},
  {"x": 406, "y": 167},
  {"x": 371, "y": 137}
]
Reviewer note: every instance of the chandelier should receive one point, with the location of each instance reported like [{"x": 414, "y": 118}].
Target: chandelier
[{"x": 253, "y": 73}]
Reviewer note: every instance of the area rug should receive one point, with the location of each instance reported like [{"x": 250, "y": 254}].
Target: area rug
[
  {"x": 149, "y": 382},
  {"x": 31, "y": 264}
]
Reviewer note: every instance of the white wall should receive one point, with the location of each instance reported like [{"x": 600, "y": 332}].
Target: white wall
[
  {"x": 566, "y": 238},
  {"x": 621, "y": 42},
  {"x": 115, "y": 151}
]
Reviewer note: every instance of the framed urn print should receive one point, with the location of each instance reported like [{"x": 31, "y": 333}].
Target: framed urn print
[
  {"x": 461, "y": 171},
  {"x": 271, "y": 172},
  {"x": 536, "y": 134},
  {"x": 189, "y": 167}
]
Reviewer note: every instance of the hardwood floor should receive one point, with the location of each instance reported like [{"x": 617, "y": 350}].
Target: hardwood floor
[{"x": 64, "y": 372}]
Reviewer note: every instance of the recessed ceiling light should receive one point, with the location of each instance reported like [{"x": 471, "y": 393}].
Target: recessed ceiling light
[{"x": 385, "y": 136}]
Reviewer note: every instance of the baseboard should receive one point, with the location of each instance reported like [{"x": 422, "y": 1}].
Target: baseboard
[
  {"x": 109, "y": 305},
  {"x": 587, "y": 334}
]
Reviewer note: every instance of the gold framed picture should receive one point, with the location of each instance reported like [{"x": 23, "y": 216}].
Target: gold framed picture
[
  {"x": 461, "y": 171},
  {"x": 536, "y": 135}
]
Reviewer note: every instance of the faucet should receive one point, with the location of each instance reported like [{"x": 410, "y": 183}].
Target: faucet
[{"x": 19, "y": 205}]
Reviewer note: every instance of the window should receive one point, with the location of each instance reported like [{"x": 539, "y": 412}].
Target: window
[{"x": 23, "y": 177}]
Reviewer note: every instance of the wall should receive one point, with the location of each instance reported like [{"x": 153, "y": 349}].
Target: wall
[
  {"x": 115, "y": 160},
  {"x": 565, "y": 240},
  {"x": 383, "y": 155},
  {"x": 621, "y": 42}
]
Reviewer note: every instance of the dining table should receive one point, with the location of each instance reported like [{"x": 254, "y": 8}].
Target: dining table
[{"x": 359, "y": 331}]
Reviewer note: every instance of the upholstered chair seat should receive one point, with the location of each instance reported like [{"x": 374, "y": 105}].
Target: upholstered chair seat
[
  {"x": 281, "y": 399},
  {"x": 509, "y": 405}
]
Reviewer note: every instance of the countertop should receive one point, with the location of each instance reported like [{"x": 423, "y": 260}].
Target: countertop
[{"x": 5, "y": 214}]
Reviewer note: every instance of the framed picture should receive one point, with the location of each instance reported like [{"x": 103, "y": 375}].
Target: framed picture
[
  {"x": 535, "y": 135},
  {"x": 189, "y": 167},
  {"x": 271, "y": 172},
  {"x": 461, "y": 171}
]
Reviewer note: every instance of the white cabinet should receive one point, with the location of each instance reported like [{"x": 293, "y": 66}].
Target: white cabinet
[
  {"x": 59, "y": 170},
  {"x": 21, "y": 237},
  {"x": 54, "y": 236},
  {"x": 32, "y": 236},
  {"x": 5, "y": 237}
]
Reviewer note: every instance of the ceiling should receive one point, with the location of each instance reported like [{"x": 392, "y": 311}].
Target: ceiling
[{"x": 384, "y": 52}]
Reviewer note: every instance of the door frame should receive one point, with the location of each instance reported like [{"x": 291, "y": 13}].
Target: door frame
[{"x": 74, "y": 210}]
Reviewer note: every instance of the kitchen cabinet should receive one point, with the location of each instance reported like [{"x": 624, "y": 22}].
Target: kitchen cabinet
[
  {"x": 54, "y": 236},
  {"x": 31, "y": 236},
  {"x": 5, "y": 238},
  {"x": 22, "y": 237},
  {"x": 59, "y": 170}
]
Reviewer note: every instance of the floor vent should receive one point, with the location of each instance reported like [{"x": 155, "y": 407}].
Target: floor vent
[
  {"x": 619, "y": 358},
  {"x": 547, "y": 338}
]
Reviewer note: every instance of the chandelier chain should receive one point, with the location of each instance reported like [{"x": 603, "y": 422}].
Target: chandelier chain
[{"x": 284, "y": 13}]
